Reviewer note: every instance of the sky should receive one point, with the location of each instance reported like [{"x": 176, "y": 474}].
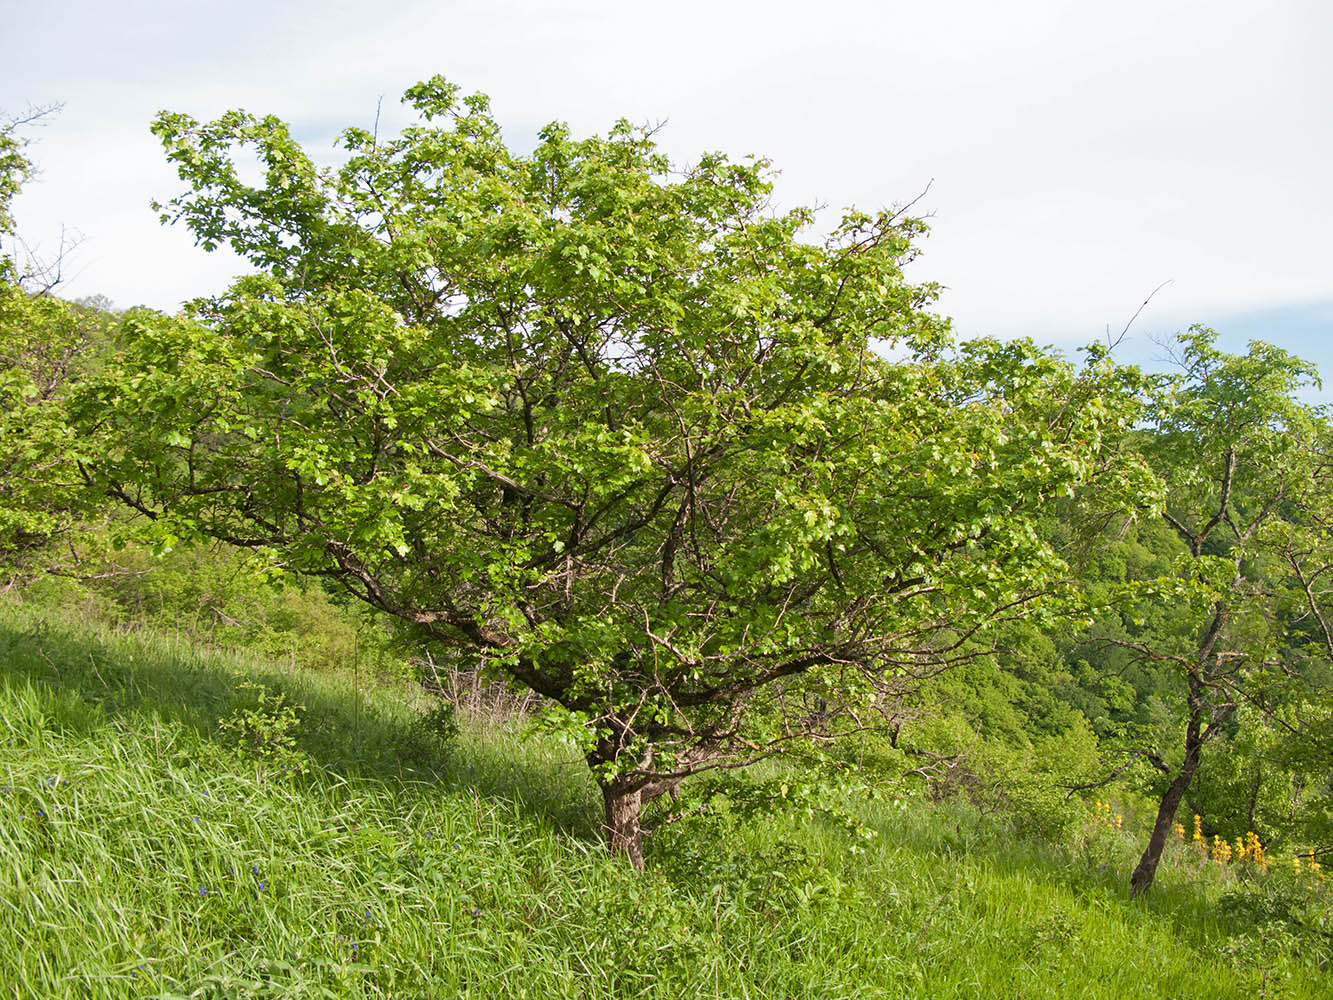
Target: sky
[{"x": 1075, "y": 157}]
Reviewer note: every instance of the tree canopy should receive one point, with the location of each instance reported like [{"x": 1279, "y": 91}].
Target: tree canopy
[{"x": 618, "y": 429}]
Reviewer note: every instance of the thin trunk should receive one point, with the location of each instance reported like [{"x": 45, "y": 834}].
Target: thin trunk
[
  {"x": 1254, "y": 793},
  {"x": 1143, "y": 874},
  {"x": 624, "y": 834},
  {"x": 1166, "y": 810}
]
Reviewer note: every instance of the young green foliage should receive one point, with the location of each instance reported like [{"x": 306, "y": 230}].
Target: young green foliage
[
  {"x": 46, "y": 344},
  {"x": 1234, "y": 448},
  {"x": 614, "y": 428}
]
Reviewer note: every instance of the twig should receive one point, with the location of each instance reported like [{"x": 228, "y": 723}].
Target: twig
[{"x": 1111, "y": 345}]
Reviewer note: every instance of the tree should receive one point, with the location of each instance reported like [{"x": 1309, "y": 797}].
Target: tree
[
  {"x": 613, "y": 429},
  {"x": 45, "y": 343},
  {"x": 1233, "y": 447}
]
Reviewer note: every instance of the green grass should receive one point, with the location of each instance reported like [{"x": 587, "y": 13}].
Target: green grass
[{"x": 142, "y": 855}]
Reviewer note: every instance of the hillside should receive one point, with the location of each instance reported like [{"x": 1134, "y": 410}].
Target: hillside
[{"x": 170, "y": 829}]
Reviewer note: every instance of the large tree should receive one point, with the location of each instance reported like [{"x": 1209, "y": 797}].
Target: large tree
[{"x": 616, "y": 429}]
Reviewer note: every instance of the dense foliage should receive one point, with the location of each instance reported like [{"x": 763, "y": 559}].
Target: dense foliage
[
  {"x": 46, "y": 346},
  {"x": 713, "y": 490},
  {"x": 615, "y": 430}
]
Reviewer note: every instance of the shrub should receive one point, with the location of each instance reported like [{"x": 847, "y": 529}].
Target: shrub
[{"x": 265, "y": 732}]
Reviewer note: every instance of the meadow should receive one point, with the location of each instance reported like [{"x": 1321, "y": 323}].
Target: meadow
[{"x": 179, "y": 821}]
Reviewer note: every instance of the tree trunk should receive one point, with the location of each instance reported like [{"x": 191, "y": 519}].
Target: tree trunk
[
  {"x": 1254, "y": 794},
  {"x": 1196, "y": 699},
  {"x": 1166, "y": 816},
  {"x": 1142, "y": 877},
  {"x": 623, "y": 833}
]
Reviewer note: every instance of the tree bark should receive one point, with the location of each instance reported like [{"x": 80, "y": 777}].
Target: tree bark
[
  {"x": 1166, "y": 809},
  {"x": 624, "y": 834},
  {"x": 1197, "y": 700},
  {"x": 1254, "y": 794}
]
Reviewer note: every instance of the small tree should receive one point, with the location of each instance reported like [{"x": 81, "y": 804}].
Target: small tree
[
  {"x": 613, "y": 428},
  {"x": 1234, "y": 449}
]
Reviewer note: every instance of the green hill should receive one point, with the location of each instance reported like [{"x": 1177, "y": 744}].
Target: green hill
[{"x": 179, "y": 822}]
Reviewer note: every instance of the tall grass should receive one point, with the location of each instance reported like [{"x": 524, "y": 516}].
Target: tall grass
[{"x": 144, "y": 853}]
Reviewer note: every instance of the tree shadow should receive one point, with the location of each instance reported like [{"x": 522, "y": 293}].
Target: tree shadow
[{"x": 94, "y": 679}]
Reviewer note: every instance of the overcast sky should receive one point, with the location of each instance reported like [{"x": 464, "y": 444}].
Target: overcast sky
[{"x": 1078, "y": 155}]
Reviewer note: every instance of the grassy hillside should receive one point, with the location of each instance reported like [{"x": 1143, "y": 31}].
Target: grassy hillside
[{"x": 178, "y": 822}]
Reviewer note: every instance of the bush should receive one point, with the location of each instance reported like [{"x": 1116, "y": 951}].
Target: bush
[
  {"x": 265, "y": 733},
  {"x": 220, "y": 596},
  {"x": 1026, "y": 782}
]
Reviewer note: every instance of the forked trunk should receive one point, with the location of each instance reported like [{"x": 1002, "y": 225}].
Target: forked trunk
[{"x": 623, "y": 833}]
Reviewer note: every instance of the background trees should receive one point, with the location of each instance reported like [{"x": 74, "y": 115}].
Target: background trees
[
  {"x": 46, "y": 343},
  {"x": 615, "y": 429}
]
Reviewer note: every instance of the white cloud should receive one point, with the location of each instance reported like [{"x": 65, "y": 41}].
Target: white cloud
[{"x": 1080, "y": 154}]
